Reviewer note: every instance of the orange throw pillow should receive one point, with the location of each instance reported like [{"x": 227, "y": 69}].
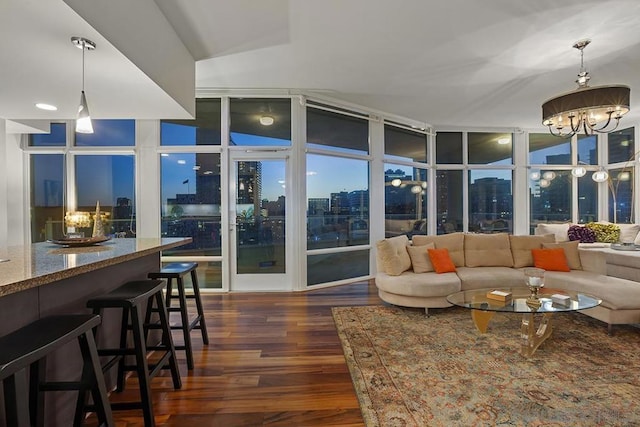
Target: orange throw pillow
[
  {"x": 550, "y": 259},
  {"x": 441, "y": 260}
]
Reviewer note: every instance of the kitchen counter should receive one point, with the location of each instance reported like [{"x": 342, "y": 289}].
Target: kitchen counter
[{"x": 44, "y": 263}]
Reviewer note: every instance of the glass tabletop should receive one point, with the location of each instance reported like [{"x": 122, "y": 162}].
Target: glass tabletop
[{"x": 477, "y": 299}]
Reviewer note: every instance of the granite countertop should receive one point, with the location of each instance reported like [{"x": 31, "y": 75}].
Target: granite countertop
[{"x": 37, "y": 264}]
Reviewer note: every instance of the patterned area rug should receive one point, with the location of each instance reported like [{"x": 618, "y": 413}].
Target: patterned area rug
[{"x": 413, "y": 370}]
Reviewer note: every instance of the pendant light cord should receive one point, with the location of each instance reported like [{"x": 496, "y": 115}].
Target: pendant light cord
[{"x": 83, "y": 49}]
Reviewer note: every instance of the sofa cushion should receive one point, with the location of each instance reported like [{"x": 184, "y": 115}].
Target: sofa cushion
[
  {"x": 561, "y": 231},
  {"x": 441, "y": 260},
  {"x": 454, "y": 242},
  {"x": 550, "y": 259},
  {"x": 392, "y": 252},
  {"x": 489, "y": 277},
  {"x": 570, "y": 252},
  {"x": 419, "y": 284},
  {"x": 521, "y": 248},
  {"x": 420, "y": 258},
  {"x": 487, "y": 250}
]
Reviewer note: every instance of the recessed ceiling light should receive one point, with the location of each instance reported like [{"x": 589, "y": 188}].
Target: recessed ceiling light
[
  {"x": 47, "y": 107},
  {"x": 504, "y": 141},
  {"x": 196, "y": 168},
  {"x": 164, "y": 154},
  {"x": 182, "y": 162},
  {"x": 208, "y": 172}
]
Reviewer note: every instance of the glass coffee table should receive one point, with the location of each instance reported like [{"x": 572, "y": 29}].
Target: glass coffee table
[{"x": 521, "y": 301}]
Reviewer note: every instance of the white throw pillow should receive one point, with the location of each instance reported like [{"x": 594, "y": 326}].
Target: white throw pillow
[
  {"x": 561, "y": 231},
  {"x": 629, "y": 232}
]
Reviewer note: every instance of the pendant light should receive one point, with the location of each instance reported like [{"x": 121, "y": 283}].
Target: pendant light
[
  {"x": 83, "y": 121},
  {"x": 587, "y": 109}
]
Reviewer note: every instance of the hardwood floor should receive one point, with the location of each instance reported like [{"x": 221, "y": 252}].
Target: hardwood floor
[{"x": 274, "y": 359}]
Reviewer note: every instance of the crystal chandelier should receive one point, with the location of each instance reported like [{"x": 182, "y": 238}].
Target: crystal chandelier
[{"x": 587, "y": 109}]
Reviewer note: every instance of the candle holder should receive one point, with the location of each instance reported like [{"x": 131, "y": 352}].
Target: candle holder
[{"x": 534, "y": 279}]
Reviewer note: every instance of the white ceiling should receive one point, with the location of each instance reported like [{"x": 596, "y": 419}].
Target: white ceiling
[{"x": 453, "y": 64}]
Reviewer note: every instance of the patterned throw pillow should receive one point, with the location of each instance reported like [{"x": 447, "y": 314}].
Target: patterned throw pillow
[
  {"x": 582, "y": 234},
  {"x": 605, "y": 233}
]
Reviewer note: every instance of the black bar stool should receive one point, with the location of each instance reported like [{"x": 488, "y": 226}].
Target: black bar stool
[
  {"x": 130, "y": 297},
  {"x": 176, "y": 271},
  {"x": 28, "y": 347}
]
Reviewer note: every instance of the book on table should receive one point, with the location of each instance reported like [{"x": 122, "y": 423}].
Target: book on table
[
  {"x": 561, "y": 299},
  {"x": 499, "y": 295}
]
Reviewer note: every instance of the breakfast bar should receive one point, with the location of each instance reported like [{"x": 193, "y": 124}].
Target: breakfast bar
[{"x": 45, "y": 279}]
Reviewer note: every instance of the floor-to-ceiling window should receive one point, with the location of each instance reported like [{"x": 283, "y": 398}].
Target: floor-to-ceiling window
[
  {"x": 449, "y": 182},
  {"x": 490, "y": 180},
  {"x": 474, "y": 182},
  {"x": 191, "y": 189},
  {"x": 405, "y": 181},
  {"x": 337, "y": 195},
  {"x": 621, "y": 158},
  {"x": 587, "y": 154},
  {"x": 550, "y": 178}
]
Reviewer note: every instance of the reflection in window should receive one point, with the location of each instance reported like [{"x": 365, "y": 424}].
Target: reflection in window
[
  {"x": 546, "y": 149},
  {"x": 550, "y": 196},
  {"x": 333, "y": 131},
  {"x": 490, "y": 148},
  {"x": 260, "y": 122},
  {"x": 337, "y": 202},
  {"x": 47, "y": 189},
  {"x": 260, "y": 217},
  {"x": 405, "y": 200},
  {"x": 121, "y": 133},
  {"x": 449, "y": 201},
  {"x": 204, "y": 130},
  {"x": 621, "y": 145},
  {"x": 190, "y": 191},
  {"x": 449, "y": 148},
  {"x": 404, "y": 144},
  {"x": 588, "y": 149},
  {"x": 57, "y": 137},
  {"x": 490, "y": 201},
  {"x": 587, "y": 199},
  {"x": 621, "y": 195},
  {"x": 110, "y": 180},
  {"x": 325, "y": 268}
]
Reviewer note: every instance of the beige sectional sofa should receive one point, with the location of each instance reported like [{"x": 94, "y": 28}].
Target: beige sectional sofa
[{"x": 404, "y": 276}]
